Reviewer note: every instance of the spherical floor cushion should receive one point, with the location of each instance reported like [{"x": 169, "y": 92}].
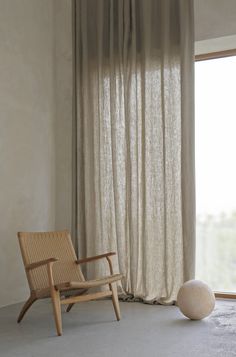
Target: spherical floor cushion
[{"x": 195, "y": 299}]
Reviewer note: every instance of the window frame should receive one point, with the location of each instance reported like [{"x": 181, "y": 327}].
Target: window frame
[{"x": 205, "y": 57}]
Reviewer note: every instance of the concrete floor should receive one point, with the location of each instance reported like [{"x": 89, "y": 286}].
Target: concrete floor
[{"x": 90, "y": 329}]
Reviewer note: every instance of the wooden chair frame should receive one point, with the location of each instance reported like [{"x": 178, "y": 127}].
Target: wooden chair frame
[{"x": 80, "y": 287}]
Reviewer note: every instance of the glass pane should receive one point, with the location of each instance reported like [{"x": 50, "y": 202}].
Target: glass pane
[{"x": 215, "y": 106}]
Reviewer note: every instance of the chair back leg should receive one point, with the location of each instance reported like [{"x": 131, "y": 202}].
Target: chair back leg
[
  {"x": 26, "y": 307},
  {"x": 69, "y": 307}
]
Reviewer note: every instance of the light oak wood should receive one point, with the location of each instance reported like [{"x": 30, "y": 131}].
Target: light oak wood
[
  {"x": 214, "y": 55},
  {"x": 26, "y": 307},
  {"x": 55, "y": 295},
  {"x": 110, "y": 265},
  {"x": 115, "y": 300},
  {"x": 91, "y": 259},
  {"x": 225, "y": 295},
  {"x": 89, "y": 283},
  {"x": 88, "y": 297},
  {"x": 40, "y": 263},
  {"x": 52, "y": 270},
  {"x": 69, "y": 307},
  {"x": 56, "y": 303}
]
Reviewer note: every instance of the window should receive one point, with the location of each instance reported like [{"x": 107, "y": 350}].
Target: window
[{"x": 215, "y": 81}]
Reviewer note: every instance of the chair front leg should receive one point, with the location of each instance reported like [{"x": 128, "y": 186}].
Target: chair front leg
[
  {"x": 115, "y": 300},
  {"x": 56, "y": 301}
]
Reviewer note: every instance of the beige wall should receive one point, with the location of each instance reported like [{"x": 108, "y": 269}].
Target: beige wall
[
  {"x": 63, "y": 105},
  {"x": 27, "y": 135},
  {"x": 214, "y": 18}
]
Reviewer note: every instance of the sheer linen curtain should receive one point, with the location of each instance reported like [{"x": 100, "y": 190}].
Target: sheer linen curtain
[{"x": 135, "y": 141}]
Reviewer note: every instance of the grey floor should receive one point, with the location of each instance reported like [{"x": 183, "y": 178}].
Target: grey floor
[{"x": 90, "y": 329}]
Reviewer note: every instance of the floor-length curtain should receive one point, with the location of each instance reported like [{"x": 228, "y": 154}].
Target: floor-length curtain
[{"x": 135, "y": 141}]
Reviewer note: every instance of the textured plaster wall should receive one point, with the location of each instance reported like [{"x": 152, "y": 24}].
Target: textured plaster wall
[
  {"x": 214, "y": 18},
  {"x": 27, "y": 133},
  {"x": 63, "y": 105}
]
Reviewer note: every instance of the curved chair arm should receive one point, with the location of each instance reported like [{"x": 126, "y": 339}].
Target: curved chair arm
[
  {"x": 40, "y": 263},
  {"x": 96, "y": 257}
]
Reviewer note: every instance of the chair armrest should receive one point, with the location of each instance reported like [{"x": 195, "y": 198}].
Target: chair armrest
[
  {"x": 40, "y": 263},
  {"x": 96, "y": 257}
]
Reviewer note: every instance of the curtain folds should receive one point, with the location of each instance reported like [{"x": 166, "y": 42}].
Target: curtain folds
[{"x": 135, "y": 141}]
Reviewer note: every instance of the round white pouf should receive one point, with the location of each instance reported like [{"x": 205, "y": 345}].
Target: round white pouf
[{"x": 195, "y": 299}]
